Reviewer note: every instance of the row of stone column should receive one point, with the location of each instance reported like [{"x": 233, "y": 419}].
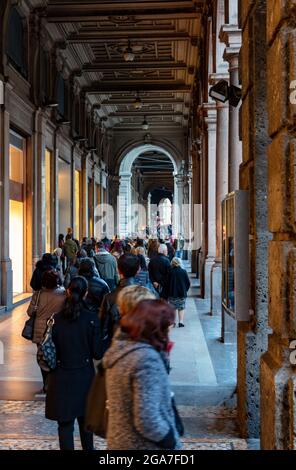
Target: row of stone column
[{"x": 224, "y": 152}]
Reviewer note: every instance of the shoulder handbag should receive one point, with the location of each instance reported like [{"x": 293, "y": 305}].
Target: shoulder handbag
[
  {"x": 28, "y": 330},
  {"x": 46, "y": 352},
  {"x": 178, "y": 421},
  {"x": 96, "y": 414}
]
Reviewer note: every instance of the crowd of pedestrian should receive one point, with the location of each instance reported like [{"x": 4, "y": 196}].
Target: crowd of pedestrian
[{"x": 112, "y": 301}]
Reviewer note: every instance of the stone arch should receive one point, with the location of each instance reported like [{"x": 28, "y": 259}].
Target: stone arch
[
  {"x": 164, "y": 146},
  {"x": 126, "y": 160}
]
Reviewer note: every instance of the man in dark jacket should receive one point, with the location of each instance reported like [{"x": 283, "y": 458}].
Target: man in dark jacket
[
  {"x": 106, "y": 265},
  {"x": 70, "y": 249},
  {"x": 97, "y": 288},
  {"x": 159, "y": 271},
  {"x": 128, "y": 266}
]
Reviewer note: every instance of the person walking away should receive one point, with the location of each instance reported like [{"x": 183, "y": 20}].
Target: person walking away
[
  {"x": 159, "y": 271},
  {"x": 141, "y": 251},
  {"x": 141, "y": 415},
  {"x": 61, "y": 244},
  {"x": 153, "y": 246},
  {"x": 117, "y": 250},
  {"x": 73, "y": 268},
  {"x": 142, "y": 276},
  {"x": 179, "y": 246},
  {"x": 58, "y": 252},
  {"x": 171, "y": 251},
  {"x": 179, "y": 285},
  {"x": 49, "y": 300},
  {"x": 128, "y": 267},
  {"x": 97, "y": 287},
  {"x": 75, "y": 334},
  {"x": 47, "y": 263},
  {"x": 106, "y": 265},
  {"x": 70, "y": 249},
  {"x": 107, "y": 242}
]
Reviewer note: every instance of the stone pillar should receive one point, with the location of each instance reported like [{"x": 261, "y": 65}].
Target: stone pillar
[
  {"x": 196, "y": 206},
  {"x": 252, "y": 335},
  {"x": 6, "y": 267},
  {"x": 278, "y": 373},
  {"x": 124, "y": 204},
  {"x": 149, "y": 211},
  {"x": 231, "y": 35},
  {"x": 211, "y": 123},
  {"x": 37, "y": 209},
  {"x": 221, "y": 192}
]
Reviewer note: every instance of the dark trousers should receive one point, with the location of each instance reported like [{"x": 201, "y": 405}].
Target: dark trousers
[
  {"x": 66, "y": 435},
  {"x": 44, "y": 377}
]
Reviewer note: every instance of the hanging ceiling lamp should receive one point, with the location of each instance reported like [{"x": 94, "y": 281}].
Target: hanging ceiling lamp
[
  {"x": 129, "y": 55},
  {"x": 138, "y": 103},
  {"x": 145, "y": 125}
]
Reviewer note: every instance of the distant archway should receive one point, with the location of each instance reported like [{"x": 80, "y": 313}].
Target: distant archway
[{"x": 125, "y": 219}]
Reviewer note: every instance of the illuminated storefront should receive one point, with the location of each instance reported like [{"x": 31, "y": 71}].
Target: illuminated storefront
[{"x": 17, "y": 165}]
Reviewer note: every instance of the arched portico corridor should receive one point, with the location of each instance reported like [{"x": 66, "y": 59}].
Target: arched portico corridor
[{"x": 129, "y": 125}]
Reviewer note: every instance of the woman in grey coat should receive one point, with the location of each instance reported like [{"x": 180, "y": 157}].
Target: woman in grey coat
[{"x": 141, "y": 415}]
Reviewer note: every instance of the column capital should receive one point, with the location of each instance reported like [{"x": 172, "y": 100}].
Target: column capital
[
  {"x": 216, "y": 77},
  {"x": 231, "y": 35}
]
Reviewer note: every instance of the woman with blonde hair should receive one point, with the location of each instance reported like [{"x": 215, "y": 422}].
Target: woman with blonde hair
[
  {"x": 130, "y": 296},
  {"x": 179, "y": 285}
]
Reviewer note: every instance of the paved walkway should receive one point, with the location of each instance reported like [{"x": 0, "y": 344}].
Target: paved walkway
[{"x": 203, "y": 377}]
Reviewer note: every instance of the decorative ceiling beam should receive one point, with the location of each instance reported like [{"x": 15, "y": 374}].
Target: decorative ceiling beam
[
  {"x": 73, "y": 12},
  {"x": 143, "y": 114},
  {"x": 136, "y": 36},
  {"x": 156, "y": 100},
  {"x": 161, "y": 65},
  {"x": 101, "y": 88}
]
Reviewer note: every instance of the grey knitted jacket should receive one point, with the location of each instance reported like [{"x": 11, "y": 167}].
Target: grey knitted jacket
[{"x": 139, "y": 396}]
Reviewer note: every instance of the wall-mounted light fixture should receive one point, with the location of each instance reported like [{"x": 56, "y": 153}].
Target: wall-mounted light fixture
[{"x": 223, "y": 92}]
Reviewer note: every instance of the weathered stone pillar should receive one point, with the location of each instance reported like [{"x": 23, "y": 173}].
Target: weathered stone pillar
[
  {"x": 6, "y": 267},
  {"x": 211, "y": 123},
  {"x": 278, "y": 373},
  {"x": 252, "y": 335},
  {"x": 231, "y": 35},
  {"x": 221, "y": 192}
]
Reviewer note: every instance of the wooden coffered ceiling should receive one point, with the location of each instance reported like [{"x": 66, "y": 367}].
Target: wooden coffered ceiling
[{"x": 164, "y": 36}]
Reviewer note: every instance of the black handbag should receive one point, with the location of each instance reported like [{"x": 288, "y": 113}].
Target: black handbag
[
  {"x": 46, "y": 352},
  {"x": 96, "y": 415},
  {"x": 28, "y": 330}
]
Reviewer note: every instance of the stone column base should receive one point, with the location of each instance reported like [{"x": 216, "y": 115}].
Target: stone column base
[
  {"x": 229, "y": 329},
  {"x": 216, "y": 289},
  {"x": 208, "y": 276},
  {"x": 278, "y": 402},
  {"x": 6, "y": 283}
]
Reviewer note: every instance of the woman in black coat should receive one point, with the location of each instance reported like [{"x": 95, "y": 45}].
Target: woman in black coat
[
  {"x": 179, "y": 285},
  {"x": 97, "y": 287},
  {"x": 76, "y": 337}
]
